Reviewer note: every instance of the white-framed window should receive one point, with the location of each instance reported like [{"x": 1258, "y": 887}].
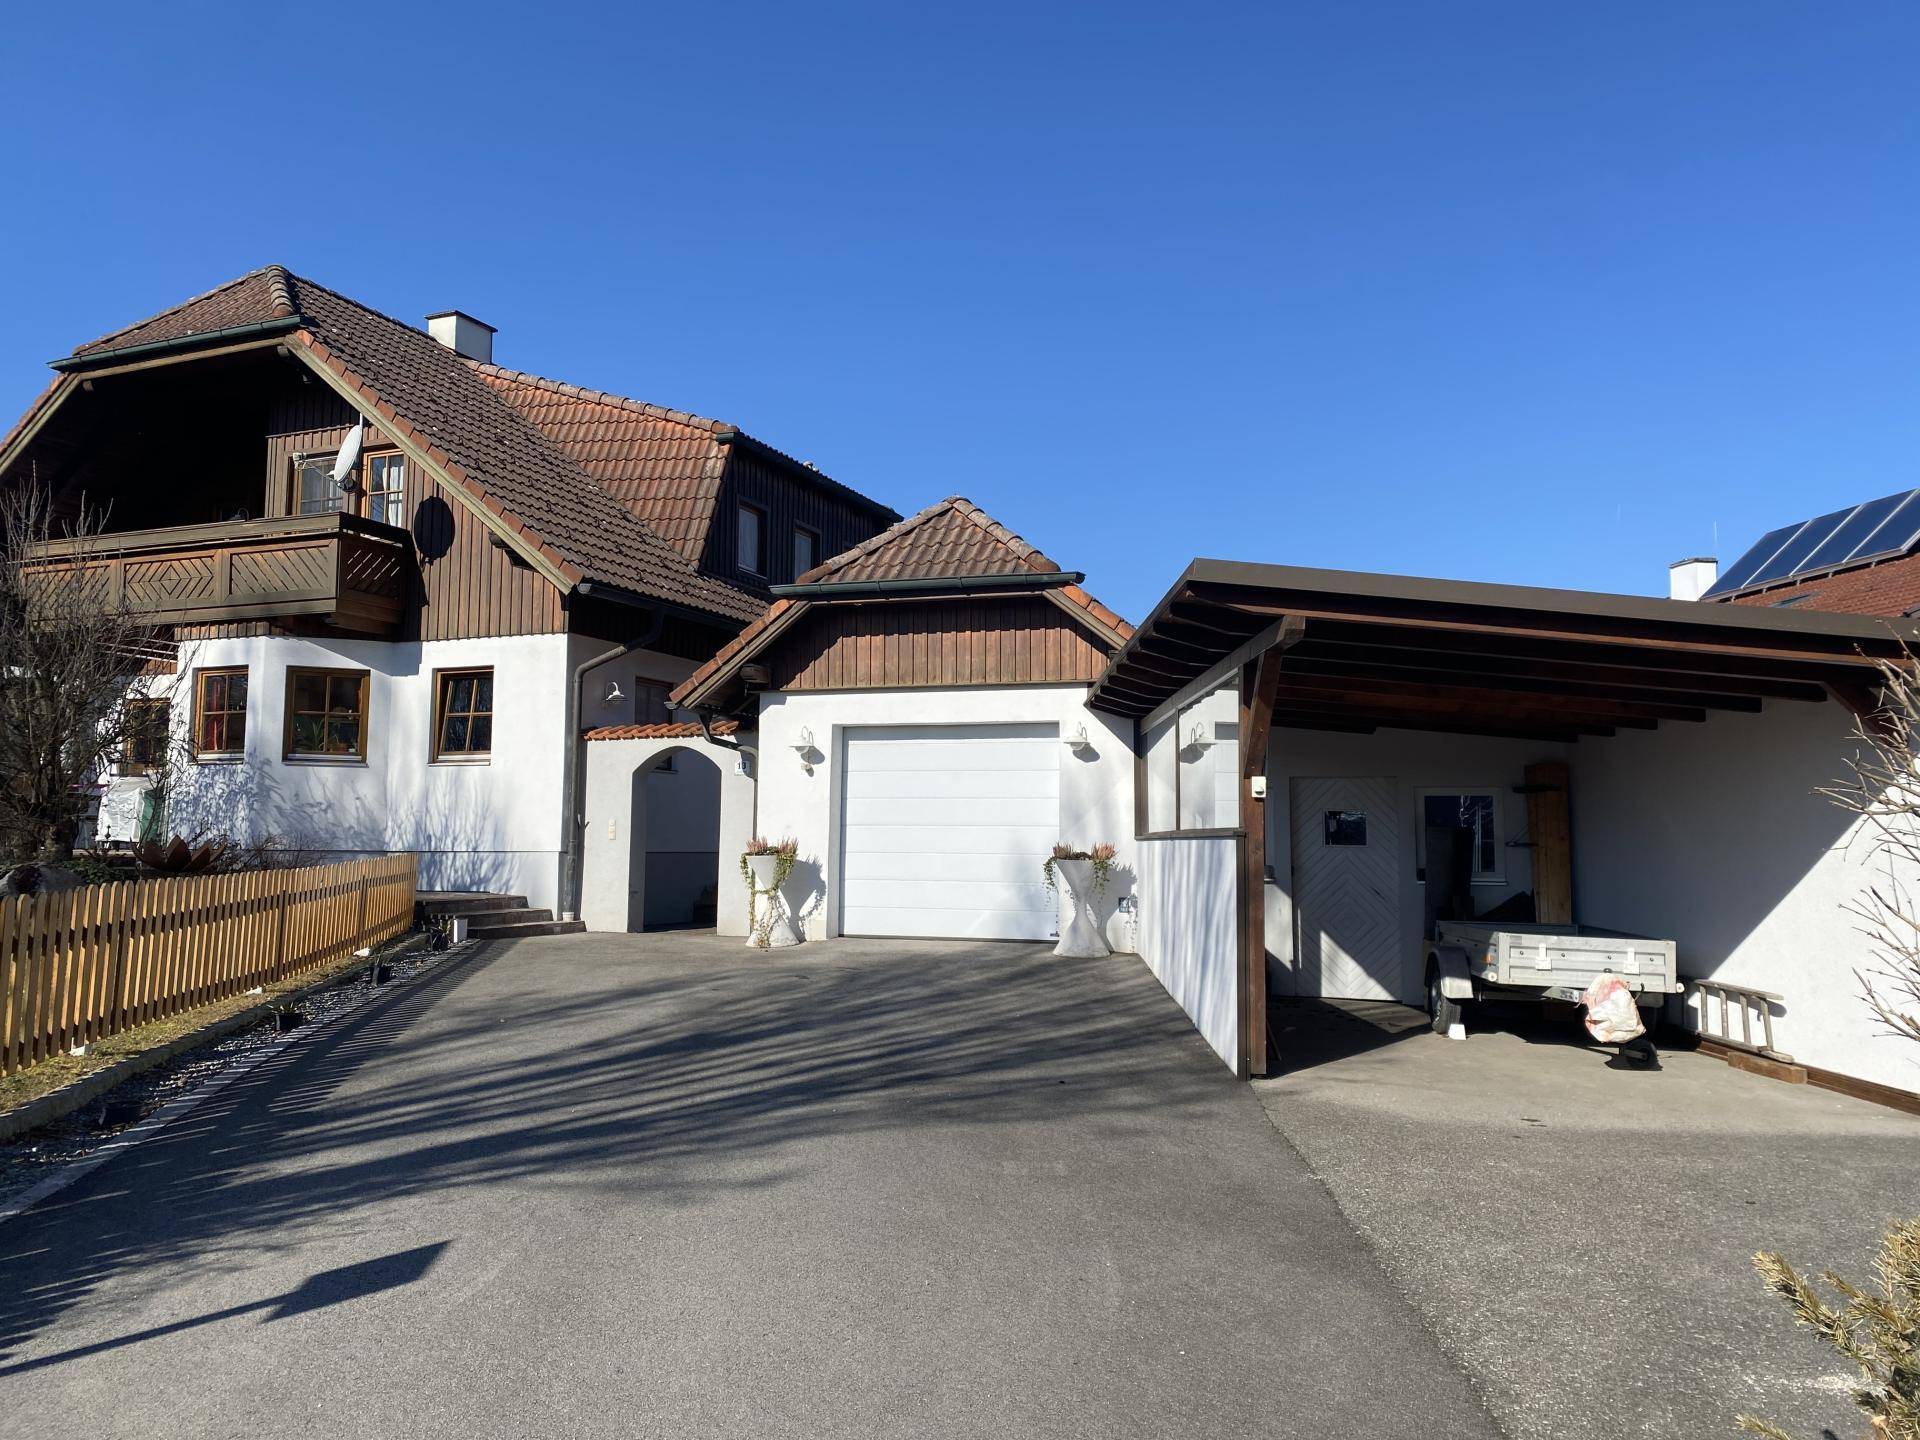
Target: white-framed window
[{"x": 1474, "y": 809}]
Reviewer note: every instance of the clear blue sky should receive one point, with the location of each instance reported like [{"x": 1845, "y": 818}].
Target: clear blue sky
[{"x": 1529, "y": 292}]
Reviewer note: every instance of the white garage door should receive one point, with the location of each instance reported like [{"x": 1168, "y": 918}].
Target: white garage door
[{"x": 944, "y": 829}]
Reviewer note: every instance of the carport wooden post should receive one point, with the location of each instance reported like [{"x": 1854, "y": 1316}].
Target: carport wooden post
[{"x": 1259, "y": 684}]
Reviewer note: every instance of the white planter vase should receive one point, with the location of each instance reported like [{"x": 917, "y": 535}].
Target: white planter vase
[
  {"x": 781, "y": 932},
  {"x": 1080, "y": 937}
]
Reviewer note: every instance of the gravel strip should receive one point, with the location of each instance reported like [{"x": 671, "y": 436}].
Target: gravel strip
[{"x": 28, "y": 1160}]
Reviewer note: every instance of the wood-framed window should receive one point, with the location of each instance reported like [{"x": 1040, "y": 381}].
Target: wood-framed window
[
  {"x": 806, "y": 550},
  {"x": 314, "y": 489},
  {"x": 220, "y": 713},
  {"x": 752, "y": 522},
  {"x": 148, "y": 727},
  {"x": 326, "y": 714},
  {"x": 375, "y": 488},
  {"x": 385, "y": 494},
  {"x": 463, "y": 714}
]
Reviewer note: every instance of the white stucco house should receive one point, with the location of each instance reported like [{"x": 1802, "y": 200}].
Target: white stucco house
[{"x": 576, "y": 651}]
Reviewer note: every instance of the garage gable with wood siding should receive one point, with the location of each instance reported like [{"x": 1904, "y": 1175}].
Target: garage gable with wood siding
[{"x": 915, "y": 698}]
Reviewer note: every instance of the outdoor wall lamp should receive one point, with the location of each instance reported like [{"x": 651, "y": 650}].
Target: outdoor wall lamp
[
  {"x": 803, "y": 747},
  {"x": 1078, "y": 741}
]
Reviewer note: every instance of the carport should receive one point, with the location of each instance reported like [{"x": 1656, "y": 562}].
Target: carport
[{"x": 1691, "y": 729}]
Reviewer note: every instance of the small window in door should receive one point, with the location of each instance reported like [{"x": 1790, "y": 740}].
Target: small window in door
[{"x": 1346, "y": 827}]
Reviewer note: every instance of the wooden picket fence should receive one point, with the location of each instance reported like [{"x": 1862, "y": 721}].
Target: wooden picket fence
[{"x": 84, "y": 964}]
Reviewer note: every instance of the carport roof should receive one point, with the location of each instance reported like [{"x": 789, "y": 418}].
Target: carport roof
[{"x": 1364, "y": 652}]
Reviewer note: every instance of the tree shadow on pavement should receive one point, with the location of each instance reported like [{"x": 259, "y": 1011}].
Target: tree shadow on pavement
[{"x": 650, "y": 1079}]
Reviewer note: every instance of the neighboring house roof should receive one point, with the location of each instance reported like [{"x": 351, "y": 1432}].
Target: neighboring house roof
[
  {"x": 662, "y": 730},
  {"x": 954, "y": 541},
  {"x": 664, "y": 465},
  {"x": 425, "y": 392}
]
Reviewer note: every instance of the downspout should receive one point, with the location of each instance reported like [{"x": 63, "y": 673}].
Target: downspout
[{"x": 573, "y": 778}]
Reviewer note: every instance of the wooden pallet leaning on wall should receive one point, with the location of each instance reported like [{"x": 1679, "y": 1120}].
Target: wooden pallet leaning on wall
[{"x": 84, "y": 964}]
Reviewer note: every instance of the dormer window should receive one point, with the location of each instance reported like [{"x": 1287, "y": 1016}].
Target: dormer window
[{"x": 753, "y": 540}]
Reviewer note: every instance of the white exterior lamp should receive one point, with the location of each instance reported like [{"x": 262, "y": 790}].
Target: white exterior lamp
[{"x": 803, "y": 747}]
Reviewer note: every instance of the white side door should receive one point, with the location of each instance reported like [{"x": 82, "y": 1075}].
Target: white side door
[
  {"x": 1346, "y": 889},
  {"x": 944, "y": 830}
]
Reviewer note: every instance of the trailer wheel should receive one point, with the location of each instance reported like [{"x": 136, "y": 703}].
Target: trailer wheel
[{"x": 1445, "y": 1012}]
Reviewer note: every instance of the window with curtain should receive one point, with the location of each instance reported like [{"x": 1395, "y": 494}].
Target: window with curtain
[
  {"x": 220, "y": 714},
  {"x": 386, "y": 489}
]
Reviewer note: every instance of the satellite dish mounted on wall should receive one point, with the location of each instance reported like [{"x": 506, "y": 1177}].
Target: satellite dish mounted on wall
[{"x": 349, "y": 455}]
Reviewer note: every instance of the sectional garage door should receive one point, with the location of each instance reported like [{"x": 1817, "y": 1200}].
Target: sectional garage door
[{"x": 943, "y": 830}]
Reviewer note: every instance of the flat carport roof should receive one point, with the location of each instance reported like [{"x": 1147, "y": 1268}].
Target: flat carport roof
[
  {"x": 1348, "y": 651},
  {"x": 1357, "y": 652}
]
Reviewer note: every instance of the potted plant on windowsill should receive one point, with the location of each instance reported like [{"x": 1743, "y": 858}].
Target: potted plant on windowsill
[
  {"x": 765, "y": 866},
  {"x": 1085, "y": 874}
]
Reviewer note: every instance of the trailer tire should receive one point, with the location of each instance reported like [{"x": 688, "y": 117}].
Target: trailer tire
[{"x": 1444, "y": 1012}]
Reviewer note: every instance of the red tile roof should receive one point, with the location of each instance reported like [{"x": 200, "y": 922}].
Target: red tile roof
[
  {"x": 664, "y": 465},
  {"x": 661, "y": 731},
  {"x": 953, "y": 540},
  {"x": 434, "y": 397}
]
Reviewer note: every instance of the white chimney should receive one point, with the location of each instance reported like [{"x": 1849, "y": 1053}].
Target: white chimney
[
  {"x": 1690, "y": 579},
  {"x": 463, "y": 334}
]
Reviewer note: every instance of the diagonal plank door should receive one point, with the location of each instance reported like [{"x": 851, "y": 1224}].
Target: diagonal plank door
[{"x": 1346, "y": 887}]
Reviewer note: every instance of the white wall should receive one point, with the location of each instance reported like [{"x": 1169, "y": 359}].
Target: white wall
[
  {"x": 1412, "y": 760},
  {"x": 1712, "y": 835},
  {"x": 493, "y": 825},
  {"x": 1096, "y": 788},
  {"x": 1189, "y": 935}
]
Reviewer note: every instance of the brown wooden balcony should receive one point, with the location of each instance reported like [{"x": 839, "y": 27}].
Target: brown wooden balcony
[{"x": 340, "y": 569}]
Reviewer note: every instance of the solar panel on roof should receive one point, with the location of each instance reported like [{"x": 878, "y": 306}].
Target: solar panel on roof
[
  {"x": 1789, "y": 557},
  {"x": 1898, "y": 534},
  {"x": 1853, "y": 531},
  {"x": 1764, "y": 549},
  {"x": 1887, "y": 526}
]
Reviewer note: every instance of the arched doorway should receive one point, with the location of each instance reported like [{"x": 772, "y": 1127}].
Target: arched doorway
[{"x": 673, "y": 866}]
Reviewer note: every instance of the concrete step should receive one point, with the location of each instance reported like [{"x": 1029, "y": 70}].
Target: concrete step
[
  {"x": 465, "y": 902},
  {"x": 514, "y": 928}
]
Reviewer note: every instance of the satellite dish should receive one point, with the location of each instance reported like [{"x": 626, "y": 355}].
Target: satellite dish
[{"x": 349, "y": 455}]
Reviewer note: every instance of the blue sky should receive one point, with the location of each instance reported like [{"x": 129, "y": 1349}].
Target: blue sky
[{"x": 1536, "y": 293}]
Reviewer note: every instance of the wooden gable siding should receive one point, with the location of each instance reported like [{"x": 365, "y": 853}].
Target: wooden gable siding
[
  {"x": 1019, "y": 640},
  {"x": 468, "y": 587},
  {"x": 786, "y": 501}
]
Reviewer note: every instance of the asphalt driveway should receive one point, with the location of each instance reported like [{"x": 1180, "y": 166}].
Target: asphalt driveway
[
  {"x": 627, "y": 1186},
  {"x": 1579, "y": 1237}
]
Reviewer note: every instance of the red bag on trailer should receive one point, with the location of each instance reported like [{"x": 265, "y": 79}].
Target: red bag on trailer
[{"x": 1612, "y": 1017}]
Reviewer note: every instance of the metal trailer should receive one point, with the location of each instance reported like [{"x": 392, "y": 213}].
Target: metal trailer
[{"x": 1491, "y": 960}]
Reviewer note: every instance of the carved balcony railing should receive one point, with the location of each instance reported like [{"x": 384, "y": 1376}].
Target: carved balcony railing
[{"x": 350, "y": 573}]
